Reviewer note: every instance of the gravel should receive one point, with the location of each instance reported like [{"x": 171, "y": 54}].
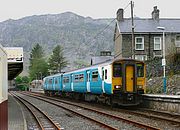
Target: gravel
[
  {"x": 152, "y": 122},
  {"x": 70, "y": 121},
  {"x": 66, "y": 119}
]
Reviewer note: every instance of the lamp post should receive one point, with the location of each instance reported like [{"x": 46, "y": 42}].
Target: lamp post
[
  {"x": 164, "y": 59},
  {"x": 40, "y": 75}
]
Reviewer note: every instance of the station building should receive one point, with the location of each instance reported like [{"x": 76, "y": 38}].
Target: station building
[{"x": 11, "y": 64}]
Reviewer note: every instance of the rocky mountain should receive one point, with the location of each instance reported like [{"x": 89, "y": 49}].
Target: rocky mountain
[{"x": 77, "y": 35}]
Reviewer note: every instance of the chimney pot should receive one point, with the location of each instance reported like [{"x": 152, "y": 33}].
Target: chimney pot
[
  {"x": 120, "y": 14},
  {"x": 155, "y": 13}
]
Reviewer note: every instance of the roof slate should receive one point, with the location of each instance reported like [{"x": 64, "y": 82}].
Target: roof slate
[{"x": 149, "y": 25}]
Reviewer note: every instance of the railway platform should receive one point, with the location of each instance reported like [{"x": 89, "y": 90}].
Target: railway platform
[
  {"x": 169, "y": 103},
  {"x": 16, "y": 120}
]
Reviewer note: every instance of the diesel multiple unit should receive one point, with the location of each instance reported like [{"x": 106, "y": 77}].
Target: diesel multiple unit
[{"x": 120, "y": 81}]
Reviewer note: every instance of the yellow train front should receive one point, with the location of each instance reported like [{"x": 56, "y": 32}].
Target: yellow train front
[{"x": 128, "y": 82}]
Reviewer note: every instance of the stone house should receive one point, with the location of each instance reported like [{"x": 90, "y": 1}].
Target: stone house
[{"x": 148, "y": 38}]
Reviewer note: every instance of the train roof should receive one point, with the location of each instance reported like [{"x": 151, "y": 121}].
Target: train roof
[
  {"x": 108, "y": 62},
  {"x": 50, "y": 76}
]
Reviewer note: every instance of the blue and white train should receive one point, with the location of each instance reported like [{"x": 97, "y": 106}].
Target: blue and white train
[{"x": 119, "y": 81}]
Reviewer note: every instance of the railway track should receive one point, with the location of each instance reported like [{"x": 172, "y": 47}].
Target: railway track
[
  {"x": 43, "y": 120},
  {"x": 78, "y": 108},
  {"x": 165, "y": 116}
]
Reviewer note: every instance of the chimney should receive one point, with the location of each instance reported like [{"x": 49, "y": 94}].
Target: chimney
[
  {"x": 155, "y": 14},
  {"x": 120, "y": 15}
]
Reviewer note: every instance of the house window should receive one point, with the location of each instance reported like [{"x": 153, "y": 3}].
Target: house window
[
  {"x": 177, "y": 41},
  {"x": 141, "y": 57},
  {"x": 157, "y": 43},
  {"x": 139, "y": 43}
]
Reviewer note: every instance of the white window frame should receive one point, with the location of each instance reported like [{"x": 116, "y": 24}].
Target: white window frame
[
  {"x": 177, "y": 42},
  {"x": 139, "y": 43},
  {"x": 157, "y": 44},
  {"x": 141, "y": 57}
]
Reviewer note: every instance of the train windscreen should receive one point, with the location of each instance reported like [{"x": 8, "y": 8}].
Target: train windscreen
[
  {"x": 117, "y": 70},
  {"x": 140, "y": 70}
]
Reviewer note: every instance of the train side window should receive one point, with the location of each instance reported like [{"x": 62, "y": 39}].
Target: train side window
[
  {"x": 65, "y": 79},
  {"x": 81, "y": 77},
  {"x": 117, "y": 70},
  {"x": 105, "y": 73},
  {"x": 50, "y": 81},
  {"x": 95, "y": 76},
  {"x": 56, "y": 81},
  {"x": 76, "y": 78},
  {"x": 46, "y": 81},
  {"x": 140, "y": 70}
]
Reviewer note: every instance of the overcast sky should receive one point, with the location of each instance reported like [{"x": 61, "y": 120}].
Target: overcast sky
[{"x": 15, "y": 9}]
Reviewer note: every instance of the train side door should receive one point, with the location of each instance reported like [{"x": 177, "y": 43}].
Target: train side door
[
  {"x": 103, "y": 77},
  {"x": 71, "y": 80},
  {"x": 129, "y": 78},
  {"x": 53, "y": 83},
  {"x": 88, "y": 81}
]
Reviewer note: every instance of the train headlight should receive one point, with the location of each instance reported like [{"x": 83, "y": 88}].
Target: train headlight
[
  {"x": 117, "y": 86},
  {"x": 139, "y": 86}
]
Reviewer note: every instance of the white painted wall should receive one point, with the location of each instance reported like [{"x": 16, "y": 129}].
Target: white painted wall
[{"x": 3, "y": 75}]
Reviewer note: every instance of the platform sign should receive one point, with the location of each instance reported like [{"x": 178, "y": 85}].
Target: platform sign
[{"x": 163, "y": 62}]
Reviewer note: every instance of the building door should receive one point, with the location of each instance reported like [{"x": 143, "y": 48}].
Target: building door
[{"x": 129, "y": 78}]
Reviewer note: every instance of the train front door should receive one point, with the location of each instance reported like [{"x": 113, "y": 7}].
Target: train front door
[
  {"x": 129, "y": 78},
  {"x": 88, "y": 81}
]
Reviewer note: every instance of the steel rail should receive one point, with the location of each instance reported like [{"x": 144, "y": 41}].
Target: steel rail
[
  {"x": 138, "y": 124},
  {"x": 172, "y": 119},
  {"x": 106, "y": 126},
  {"x": 22, "y": 100}
]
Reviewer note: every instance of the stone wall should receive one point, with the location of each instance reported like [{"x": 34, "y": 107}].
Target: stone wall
[
  {"x": 126, "y": 40},
  {"x": 162, "y": 103}
]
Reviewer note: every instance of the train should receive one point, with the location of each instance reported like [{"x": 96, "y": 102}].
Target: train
[{"x": 118, "y": 81}]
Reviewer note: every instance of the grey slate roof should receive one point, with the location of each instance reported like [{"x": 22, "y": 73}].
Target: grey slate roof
[{"x": 149, "y": 25}]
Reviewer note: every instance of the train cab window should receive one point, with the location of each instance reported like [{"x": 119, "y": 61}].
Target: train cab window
[
  {"x": 140, "y": 70},
  {"x": 95, "y": 76},
  {"x": 117, "y": 70}
]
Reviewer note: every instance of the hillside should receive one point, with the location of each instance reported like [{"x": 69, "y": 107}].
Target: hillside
[{"x": 75, "y": 33}]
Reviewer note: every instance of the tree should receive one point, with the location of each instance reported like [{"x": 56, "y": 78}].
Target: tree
[
  {"x": 57, "y": 61},
  {"x": 22, "y": 83},
  {"x": 38, "y": 65}
]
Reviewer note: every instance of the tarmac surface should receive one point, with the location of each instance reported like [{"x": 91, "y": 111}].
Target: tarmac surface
[{"x": 16, "y": 119}]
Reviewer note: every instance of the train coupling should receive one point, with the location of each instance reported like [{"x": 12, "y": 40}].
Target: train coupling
[{"x": 130, "y": 97}]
